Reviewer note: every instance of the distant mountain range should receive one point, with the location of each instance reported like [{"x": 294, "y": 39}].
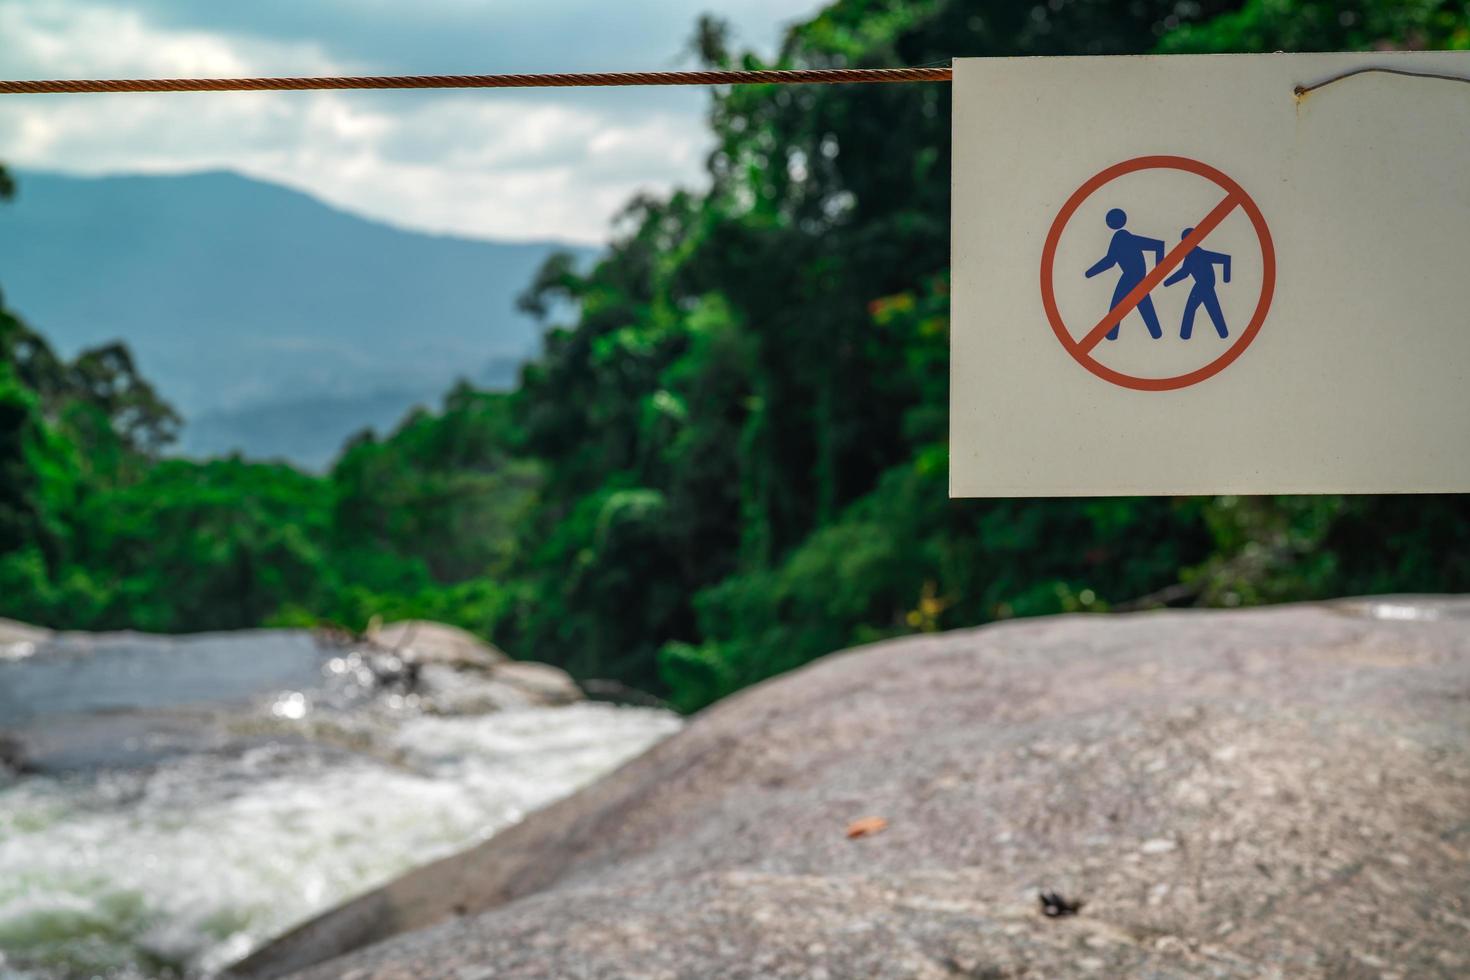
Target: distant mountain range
[{"x": 277, "y": 324}]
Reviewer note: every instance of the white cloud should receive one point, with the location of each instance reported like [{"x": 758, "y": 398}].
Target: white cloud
[
  {"x": 501, "y": 164},
  {"x": 50, "y": 37}
]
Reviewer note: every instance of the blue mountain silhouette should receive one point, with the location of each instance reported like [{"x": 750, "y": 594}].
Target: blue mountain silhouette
[{"x": 279, "y": 325}]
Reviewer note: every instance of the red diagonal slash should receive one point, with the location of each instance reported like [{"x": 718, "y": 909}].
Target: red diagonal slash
[{"x": 1156, "y": 276}]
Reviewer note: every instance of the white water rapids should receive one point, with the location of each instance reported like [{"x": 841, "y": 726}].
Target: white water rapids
[{"x": 215, "y": 832}]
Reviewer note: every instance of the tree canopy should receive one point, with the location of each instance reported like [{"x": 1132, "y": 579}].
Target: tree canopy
[{"x": 729, "y": 457}]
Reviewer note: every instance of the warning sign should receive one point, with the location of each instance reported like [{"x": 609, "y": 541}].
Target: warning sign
[
  {"x": 1188, "y": 261},
  {"x": 1178, "y": 275}
]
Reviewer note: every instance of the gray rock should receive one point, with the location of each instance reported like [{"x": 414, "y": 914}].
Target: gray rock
[
  {"x": 19, "y": 640},
  {"x": 457, "y": 673},
  {"x": 435, "y": 643},
  {"x": 540, "y": 683},
  {"x": 448, "y": 691},
  {"x": 1274, "y": 793},
  {"x": 13, "y": 756}
]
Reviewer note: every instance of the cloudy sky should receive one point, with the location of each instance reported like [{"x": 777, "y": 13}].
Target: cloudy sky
[{"x": 527, "y": 164}]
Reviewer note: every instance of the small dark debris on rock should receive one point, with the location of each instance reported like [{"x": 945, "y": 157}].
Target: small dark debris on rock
[{"x": 1054, "y": 905}]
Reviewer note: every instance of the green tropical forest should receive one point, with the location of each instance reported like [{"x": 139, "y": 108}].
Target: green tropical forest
[{"x": 731, "y": 459}]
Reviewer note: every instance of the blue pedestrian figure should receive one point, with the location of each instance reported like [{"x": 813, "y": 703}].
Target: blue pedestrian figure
[
  {"x": 1126, "y": 252},
  {"x": 1200, "y": 263}
]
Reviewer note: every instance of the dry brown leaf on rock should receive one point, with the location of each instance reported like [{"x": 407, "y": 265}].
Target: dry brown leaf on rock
[{"x": 866, "y": 827}]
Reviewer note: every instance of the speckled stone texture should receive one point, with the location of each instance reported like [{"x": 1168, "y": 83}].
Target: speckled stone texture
[{"x": 1271, "y": 793}]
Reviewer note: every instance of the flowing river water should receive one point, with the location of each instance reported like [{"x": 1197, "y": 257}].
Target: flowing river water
[{"x": 185, "y": 800}]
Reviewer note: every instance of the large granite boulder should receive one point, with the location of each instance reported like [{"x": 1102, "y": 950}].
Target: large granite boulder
[{"x": 1274, "y": 793}]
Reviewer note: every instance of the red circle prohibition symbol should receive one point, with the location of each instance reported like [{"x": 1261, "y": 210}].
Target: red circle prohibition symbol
[{"x": 1235, "y": 197}]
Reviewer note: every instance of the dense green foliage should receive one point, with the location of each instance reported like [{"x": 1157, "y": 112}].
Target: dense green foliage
[{"x": 734, "y": 459}]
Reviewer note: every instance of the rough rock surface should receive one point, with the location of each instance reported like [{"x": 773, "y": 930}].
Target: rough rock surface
[
  {"x": 20, "y": 639},
  {"x": 538, "y": 683},
  {"x": 1273, "y": 793},
  {"x": 435, "y": 643},
  {"x": 448, "y": 691},
  {"x": 459, "y": 673}
]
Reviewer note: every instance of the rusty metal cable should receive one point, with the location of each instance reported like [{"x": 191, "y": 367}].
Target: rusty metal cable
[
  {"x": 1302, "y": 90},
  {"x": 808, "y": 76},
  {"x": 797, "y": 76}
]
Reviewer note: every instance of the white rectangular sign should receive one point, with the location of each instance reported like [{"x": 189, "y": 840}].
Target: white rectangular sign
[{"x": 1179, "y": 275}]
